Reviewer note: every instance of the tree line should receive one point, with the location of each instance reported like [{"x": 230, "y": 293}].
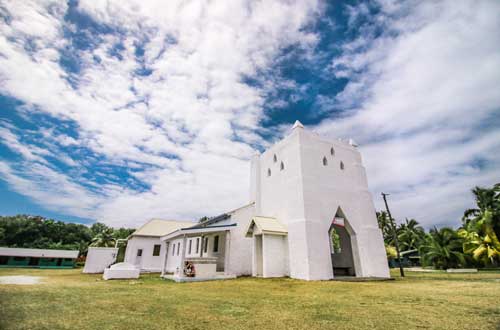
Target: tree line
[
  {"x": 26, "y": 231},
  {"x": 474, "y": 244}
]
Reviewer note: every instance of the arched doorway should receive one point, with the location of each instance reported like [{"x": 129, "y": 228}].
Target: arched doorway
[{"x": 340, "y": 246}]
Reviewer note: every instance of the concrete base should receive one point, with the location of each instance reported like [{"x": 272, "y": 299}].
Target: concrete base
[
  {"x": 121, "y": 270},
  {"x": 215, "y": 277},
  {"x": 461, "y": 270},
  {"x": 362, "y": 279}
]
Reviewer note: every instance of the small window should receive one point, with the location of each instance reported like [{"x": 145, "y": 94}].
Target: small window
[
  {"x": 216, "y": 244},
  {"x": 332, "y": 151},
  {"x": 325, "y": 161},
  {"x": 341, "y": 165},
  {"x": 205, "y": 247},
  {"x": 173, "y": 249},
  {"x": 178, "y": 248},
  {"x": 282, "y": 166},
  {"x": 275, "y": 159},
  {"x": 197, "y": 245},
  {"x": 189, "y": 247},
  {"x": 268, "y": 172},
  {"x": 139, "y": 252},
  {"x": 156, "y": 250}
]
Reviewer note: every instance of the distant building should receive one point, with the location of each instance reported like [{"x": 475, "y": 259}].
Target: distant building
[
  {"x": 38, "y": 258},
  {"x": 310, "y": 216}
]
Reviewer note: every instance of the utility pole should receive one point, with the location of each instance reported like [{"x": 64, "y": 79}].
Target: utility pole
[{"x": 393, "y": 227}]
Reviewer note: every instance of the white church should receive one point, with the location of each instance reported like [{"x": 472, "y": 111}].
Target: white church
[{"x": 310, "y": 216}]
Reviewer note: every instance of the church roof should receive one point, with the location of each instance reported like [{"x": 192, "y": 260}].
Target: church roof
[
  {"x": 266, "y": 225},
  {"x": 159, "y": 227}
]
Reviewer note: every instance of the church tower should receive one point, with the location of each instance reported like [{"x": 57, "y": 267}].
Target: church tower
[{"x": 318, "y": 190}]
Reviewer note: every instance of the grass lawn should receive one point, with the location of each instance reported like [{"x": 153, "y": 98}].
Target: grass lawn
[{"x": 69, "y": 300}]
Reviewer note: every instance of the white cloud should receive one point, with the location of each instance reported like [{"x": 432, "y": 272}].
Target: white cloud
[
  {"x": 422, "y": 100},
  {"x": 194, "y": 107}
]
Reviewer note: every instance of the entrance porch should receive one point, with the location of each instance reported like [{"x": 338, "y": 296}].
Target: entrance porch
[{"x": 197, "y": 254}]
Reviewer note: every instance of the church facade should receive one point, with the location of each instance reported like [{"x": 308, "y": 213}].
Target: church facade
[{"x": 310, "y": 216}]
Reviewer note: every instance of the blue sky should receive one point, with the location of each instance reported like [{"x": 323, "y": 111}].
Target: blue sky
[{"x": 120, "y": 111}]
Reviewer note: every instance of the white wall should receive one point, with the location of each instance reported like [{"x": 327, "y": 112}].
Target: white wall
[
  {"x": 148, "y": 262},
  {"x": 274, "y": 256},
  {"x": 240, "y": 254},
  {"x": 98, "y": 259},
  {"x": 174, "y": 256}
]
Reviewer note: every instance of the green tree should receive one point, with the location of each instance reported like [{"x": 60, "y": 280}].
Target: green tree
[
  {"x": 442, "y": 248},
  {"x": 104, "y": 239},
  {"x": 480, "y": 240},
  {"x": 410, "y": 235},
  {"x": 487, "y": 199},
  {"x": 384, "y": 224}
]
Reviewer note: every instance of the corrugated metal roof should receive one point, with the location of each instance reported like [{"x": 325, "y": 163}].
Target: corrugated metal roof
[
  {"x": 267, "y": 225},
  {"x": 38, "y": 253},
  {"x": 159, "y": 227}
]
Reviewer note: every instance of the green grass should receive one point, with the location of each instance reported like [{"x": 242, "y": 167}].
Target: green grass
[{"x": 70, "y": 300}]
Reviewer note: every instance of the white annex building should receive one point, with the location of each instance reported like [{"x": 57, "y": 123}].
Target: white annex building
[{"x": 310, "y": 216}]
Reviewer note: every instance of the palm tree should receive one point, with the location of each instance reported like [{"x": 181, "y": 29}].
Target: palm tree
[
  {"x": 486, "y": 199},
  {"x": 480, "y": 240},
  {"x": 104, "y": 239},
  {"x": 384, "y": 224},
  {"x": 410, "y": 235},
  {"x": 443, "y": 249}
]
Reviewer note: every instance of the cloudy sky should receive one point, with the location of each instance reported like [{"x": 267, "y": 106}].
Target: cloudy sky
[{"x": 120, "y": 111}]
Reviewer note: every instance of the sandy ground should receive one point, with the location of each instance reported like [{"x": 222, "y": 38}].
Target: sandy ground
[{"x": 20, "y": 279}]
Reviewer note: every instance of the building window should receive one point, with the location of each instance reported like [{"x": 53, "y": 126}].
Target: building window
[
  {"x": 216, "y": 244},
  {"x": 189, "y": 247},
  {"x": 268, "y": 172},
  {"x": 332, "y": 151},
  {"x": 197, "y": 245},
  {"x": 341, "y": 165},
  {"x": 282, "y": 166},
  {"x": 156, "y": 250},
  {"x": 205, "y": 247},
  {"x": 178, "y": 248},
  {"x": 325, "y": 161},
  {"x": 275, "y": 159},
  {"x": 173, "y": 249},
  {"x": 139, "y": 252}
]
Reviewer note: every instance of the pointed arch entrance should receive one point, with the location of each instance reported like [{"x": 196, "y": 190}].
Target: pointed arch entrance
[{"x": 340, "y": 233}]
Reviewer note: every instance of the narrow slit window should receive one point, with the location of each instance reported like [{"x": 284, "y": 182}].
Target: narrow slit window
[
  {"x": 197, "y": 245},
  {"x": 173, "y": 249},
  {"x": 332, "y": 151},
  {"x": 341, "y": 165},
  {"x": 325, "y": 161},
  {"x": 268, "y": 172},
  {"x": 205, "y": 247},
  {"x": 216, "y": 244},
  {"x": 282, "y": 166},
  {"x": 178, "y": 248},
  {"x": 189, "y": 247},
  {"x": 275, "y": 159},
  {"x": 139, "y": 253}
]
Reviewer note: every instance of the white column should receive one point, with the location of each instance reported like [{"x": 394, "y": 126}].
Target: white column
[
  {"x": 183, "y": 256},
  {"x": 164, "y": 262},
  {"x": 227, "y": 247},
  {"x": 201, "y": 246}
]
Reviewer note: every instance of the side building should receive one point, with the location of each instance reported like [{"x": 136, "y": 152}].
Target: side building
[
  {"x": 144, "y": 247},
  {"x": 37, "y": 258}
]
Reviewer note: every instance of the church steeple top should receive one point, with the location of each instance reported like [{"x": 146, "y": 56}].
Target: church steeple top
[{"x": 297, "y": 124}]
